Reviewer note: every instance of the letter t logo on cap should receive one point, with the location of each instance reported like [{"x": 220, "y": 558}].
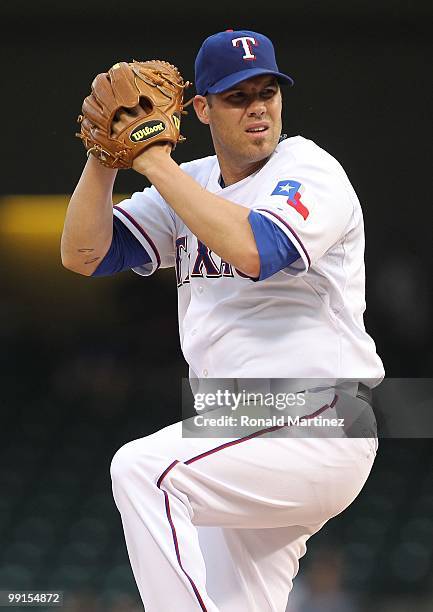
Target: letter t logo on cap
[{"x": 246, "y": 41}]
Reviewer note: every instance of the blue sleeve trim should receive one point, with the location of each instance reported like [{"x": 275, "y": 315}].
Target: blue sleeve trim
[
  {"x": 124, "y": 253},
  {"x": 276, "y": 251}
]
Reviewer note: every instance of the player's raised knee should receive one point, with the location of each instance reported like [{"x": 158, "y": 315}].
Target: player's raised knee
[{"x": 125, "y": 461}]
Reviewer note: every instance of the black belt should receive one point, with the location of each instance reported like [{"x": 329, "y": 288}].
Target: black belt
[{"x": 365, "y": 393}]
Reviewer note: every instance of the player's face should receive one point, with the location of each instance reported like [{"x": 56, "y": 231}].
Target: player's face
[{"x": 245, "y": 121}]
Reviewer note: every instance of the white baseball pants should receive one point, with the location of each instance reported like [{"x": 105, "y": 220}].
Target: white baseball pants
[{"x": 220, "y": 524}]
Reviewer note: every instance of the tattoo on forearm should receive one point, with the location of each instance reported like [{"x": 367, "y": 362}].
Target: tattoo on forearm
[{"x": 89, "y": 261}]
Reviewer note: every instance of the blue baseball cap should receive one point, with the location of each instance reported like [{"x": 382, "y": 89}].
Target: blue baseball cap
[{"x": 227, "y": 58}]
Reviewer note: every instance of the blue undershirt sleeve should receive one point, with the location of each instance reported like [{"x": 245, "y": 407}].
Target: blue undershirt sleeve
[
  {"x": 124, "y": 253},
  {"x": 276, "y": 251}
]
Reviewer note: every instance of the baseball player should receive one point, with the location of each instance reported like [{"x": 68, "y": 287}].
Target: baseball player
[{"x": 267, "y": 241}]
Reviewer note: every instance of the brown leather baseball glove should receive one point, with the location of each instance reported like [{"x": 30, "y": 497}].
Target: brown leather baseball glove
[{"x": 156, "y": 86}]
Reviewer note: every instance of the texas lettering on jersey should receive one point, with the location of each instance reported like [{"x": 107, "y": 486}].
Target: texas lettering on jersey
[
  {"x": 313, "y": 308},
  {"x": 206, "y": 264}
]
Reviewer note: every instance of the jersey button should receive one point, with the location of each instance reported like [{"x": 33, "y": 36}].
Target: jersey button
[
  {"x": 200, "y": 289},
  {"x": 193, "y": 333},
  {"x": 205, "y": 372}
]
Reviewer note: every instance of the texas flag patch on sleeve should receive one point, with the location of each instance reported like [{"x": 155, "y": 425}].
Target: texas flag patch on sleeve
[{"x": 292, "y": 191}]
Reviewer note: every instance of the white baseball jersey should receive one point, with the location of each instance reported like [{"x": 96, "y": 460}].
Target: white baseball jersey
[
  {"x": 304, "y": 321},
  {"x": 219, "y": 524}
]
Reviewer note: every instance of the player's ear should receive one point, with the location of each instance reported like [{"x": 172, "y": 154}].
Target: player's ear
[{"x": 201, "y": 108}]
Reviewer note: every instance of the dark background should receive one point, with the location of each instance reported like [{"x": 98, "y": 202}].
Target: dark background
[{"x": 87, "y": 365}]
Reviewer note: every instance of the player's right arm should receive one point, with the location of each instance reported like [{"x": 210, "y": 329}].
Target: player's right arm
[{"x": 88, "y": 227}]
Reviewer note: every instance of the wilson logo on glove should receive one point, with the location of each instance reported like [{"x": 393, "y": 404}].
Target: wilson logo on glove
[
  {"x": 126, "y": 86},
  {"x": 176, "y": 120},
  {"x": 147, "y": 130}
]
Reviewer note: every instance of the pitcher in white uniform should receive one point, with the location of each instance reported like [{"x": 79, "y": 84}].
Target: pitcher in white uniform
[{"x": 267, "y": 241}]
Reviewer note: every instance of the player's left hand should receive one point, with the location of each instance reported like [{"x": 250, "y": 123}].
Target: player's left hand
[{"x": 130, "y": 108}]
